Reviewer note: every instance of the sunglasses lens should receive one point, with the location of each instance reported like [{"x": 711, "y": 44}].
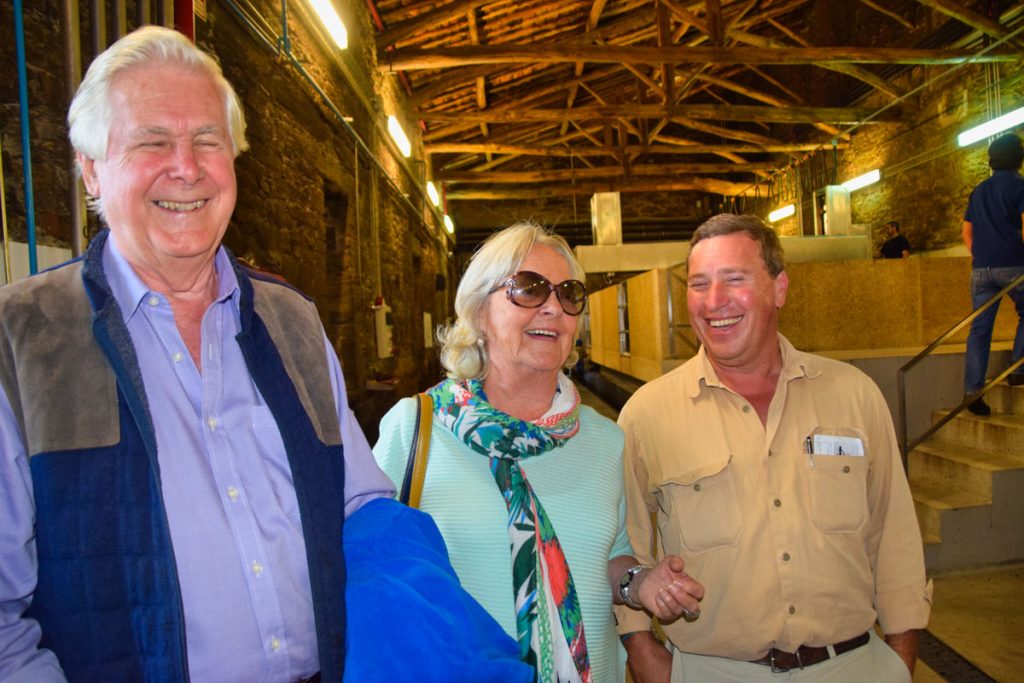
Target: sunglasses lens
[
  {"x": 573, "y": 296},
  {"x": 529, "y": 289}
]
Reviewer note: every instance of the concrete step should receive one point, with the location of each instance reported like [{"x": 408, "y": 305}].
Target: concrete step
[
  {"x": 1005, "y": 399},
  {"x": 956, "y": 467},
  {"x": 970, "y": 501},
  {"x": 1000, "y": 433},
  {"x": 932, "y": 499}
]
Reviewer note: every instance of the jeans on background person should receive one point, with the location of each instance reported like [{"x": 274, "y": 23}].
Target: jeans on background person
[{"x": 985, "y": 282}]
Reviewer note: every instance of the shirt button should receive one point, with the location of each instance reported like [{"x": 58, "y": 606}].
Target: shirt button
[
  {"x": 846, "y": 469},
  {"x": 770, "y": 454},
  {"x": 778, "y": 503},
  {"x": 153, "y": 301},
  {"x": 212, "y": 421},
  {"x": 232, "y": 493},
  {"x": 177, "y": 356},
  {"x": 785, "y": 557},
  {"x": 257, "y": 568},
  {"x": 746, "y": 409},
  {"x": 275, "y": 643},
  {"x": 792, "y": 610},
  {"x": 696, "y": 487}
]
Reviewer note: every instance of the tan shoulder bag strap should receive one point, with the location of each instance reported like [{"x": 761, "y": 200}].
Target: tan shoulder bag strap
[{"x": 416, "y": 466}]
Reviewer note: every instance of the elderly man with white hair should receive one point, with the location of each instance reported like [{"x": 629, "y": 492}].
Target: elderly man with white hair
[{"x": 177, "y": 455}]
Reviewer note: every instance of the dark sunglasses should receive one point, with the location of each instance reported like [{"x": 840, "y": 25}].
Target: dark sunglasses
[{"x": 531, "y": 290}]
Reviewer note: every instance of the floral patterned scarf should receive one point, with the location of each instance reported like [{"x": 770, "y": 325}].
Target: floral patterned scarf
[{"x": 548, "y": 620}]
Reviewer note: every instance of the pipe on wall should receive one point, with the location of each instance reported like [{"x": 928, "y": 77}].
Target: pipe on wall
[
  {"x": 73, "y": 69},
  {"x": 26, "y": 151},
  {"x": 3, "y": 215}
]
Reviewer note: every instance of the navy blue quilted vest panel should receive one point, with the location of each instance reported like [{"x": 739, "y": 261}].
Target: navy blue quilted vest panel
[{"x": 107, "y": 598}]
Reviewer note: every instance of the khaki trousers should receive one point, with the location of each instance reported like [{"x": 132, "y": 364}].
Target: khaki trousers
[{"x": 875, "y": 662}]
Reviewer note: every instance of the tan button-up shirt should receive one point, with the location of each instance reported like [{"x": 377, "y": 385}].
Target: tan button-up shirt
[{"x": 793, "y": 548}]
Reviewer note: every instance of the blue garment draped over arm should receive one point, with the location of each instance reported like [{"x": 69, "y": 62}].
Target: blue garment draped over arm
[{"x": 409, "y": 619}]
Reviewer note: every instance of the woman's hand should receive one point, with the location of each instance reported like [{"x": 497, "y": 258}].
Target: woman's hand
[{"x": 667, "y": 592}]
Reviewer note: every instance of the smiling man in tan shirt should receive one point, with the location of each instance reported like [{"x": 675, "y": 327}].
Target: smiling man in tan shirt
[{"x": 775, "y": 474}]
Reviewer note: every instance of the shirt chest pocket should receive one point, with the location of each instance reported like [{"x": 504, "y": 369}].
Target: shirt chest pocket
[
  {"x": 703, "y": 504},
  {"x": 838, "y": 492}
]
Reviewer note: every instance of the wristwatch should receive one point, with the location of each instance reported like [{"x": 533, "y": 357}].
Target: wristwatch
[{"x": 626, "y": 583}]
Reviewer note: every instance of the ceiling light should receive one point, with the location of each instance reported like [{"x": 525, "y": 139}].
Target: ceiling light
[
  {"x": 448, "y": 225},
  {"x": 862, "y": 180},
  {"x": 331, "y": 21},
  {"x": 435, "y": 198},
  {"x": 987, "y": 130},
  {"x": 778, "y": 214},
  {"x": 398, "y": 135}
]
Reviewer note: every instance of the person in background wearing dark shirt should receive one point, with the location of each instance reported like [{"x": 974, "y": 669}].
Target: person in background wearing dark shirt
[
  {"x": 992, "y": 231},
  {"x": 897, "y": 245}
]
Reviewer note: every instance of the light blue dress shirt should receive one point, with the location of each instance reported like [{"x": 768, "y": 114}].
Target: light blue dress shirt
[{"x": 227, "y": 488}]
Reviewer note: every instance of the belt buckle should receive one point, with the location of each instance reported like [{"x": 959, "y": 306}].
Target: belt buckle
[{"x": 778, "y": 669}]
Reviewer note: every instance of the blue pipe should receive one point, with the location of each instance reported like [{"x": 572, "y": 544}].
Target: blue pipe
[{"x": 26, "y": 152}]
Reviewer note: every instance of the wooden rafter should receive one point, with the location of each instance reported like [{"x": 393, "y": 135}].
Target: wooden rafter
[
  {"x": 404, "y": 29},
  {"x": 736, "y": 112},
  {"x": 889, "y": 13},
  {"x": 566, "y": 151},
  {"x": 713, "y": 11},
  {"x": 668, "y": 184},
  {"x": 408, "y": 59},
  {"x": 557, "y": 174},
  {"x": 967, "y": 16}
]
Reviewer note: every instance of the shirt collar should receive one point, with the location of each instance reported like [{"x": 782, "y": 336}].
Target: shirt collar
[
  {"x": 130, "y": 291},
  {"x": 795, "y": 364}
]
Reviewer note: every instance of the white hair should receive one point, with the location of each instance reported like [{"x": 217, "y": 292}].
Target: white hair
[
  {"x": 463, "y": 353},
  {"x": 91, "y": 112}
]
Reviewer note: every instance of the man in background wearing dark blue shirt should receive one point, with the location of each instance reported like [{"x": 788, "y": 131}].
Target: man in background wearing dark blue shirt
[{"x": 993, "y": 226}]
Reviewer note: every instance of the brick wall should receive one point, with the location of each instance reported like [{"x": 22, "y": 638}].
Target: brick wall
[{"x": 307, "y": 209}]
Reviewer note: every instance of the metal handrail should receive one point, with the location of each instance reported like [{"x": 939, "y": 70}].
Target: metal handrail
[{"x": 906, "y": 447}]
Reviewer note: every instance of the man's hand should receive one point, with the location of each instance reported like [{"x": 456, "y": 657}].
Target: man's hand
[
  {"x": 905, "y": 645},
  {"x": 649, "y": 660},
  {"x": 667, "y": 592}
]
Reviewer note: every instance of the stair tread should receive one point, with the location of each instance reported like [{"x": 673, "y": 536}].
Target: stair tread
[
  {"x": 969, "y": 455},
  {"x": 941, "y": 497},
  {"x": 1003, "y": 419}
]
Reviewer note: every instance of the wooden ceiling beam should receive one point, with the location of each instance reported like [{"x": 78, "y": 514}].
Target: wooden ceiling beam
[
  {"x": 967, "y": 16},
  {"x": 558, "y": 174},
  {"x": 889, "y": 13},
  {"x": 566, "y": 151},
  {"x": 723, "y": 132},
  {"x": 796, "y": 114},
  {"x": 716, "y": 31},
  {"x": 404, "y": 29},
  {"x": 667, "y": 184},
  {"x": 851, "y": 70},
  {"x": 411, "y": 59}
]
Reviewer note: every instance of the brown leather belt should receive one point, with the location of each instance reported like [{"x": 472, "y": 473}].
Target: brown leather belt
[{"x": 805, "y": 656}]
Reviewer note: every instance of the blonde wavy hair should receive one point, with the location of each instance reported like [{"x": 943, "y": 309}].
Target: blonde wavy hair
[{"x": 463, "y": 353}]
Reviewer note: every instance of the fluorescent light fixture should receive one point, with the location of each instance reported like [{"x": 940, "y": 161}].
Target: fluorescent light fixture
[
  {"x": 448, "y": 225},
  {"x": 331, "y": 21},
  {"x": 862, "y": 180},
  {"x": 785, "y": 212},
  {"x": 987, "y": 130},
  {"x": 398, "y": 135},
  {"x": 435, "y": 198}
]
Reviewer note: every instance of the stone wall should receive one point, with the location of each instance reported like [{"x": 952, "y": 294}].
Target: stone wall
[{"x": 340, "y": 219}]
